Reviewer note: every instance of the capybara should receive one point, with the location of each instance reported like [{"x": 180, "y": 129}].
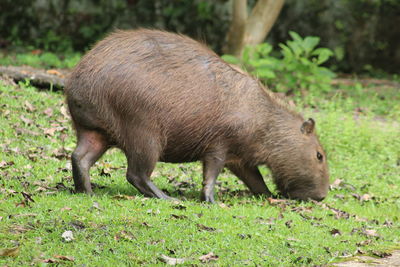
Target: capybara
[{"x": 161, "y": 96}]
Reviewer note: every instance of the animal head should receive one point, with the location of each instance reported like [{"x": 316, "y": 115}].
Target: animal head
[{"x": 299, "y": 166}]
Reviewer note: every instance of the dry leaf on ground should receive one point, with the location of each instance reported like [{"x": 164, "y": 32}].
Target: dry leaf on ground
[
  {"x": 171, "y": 261},
  {"x": 208, "y": 257}
]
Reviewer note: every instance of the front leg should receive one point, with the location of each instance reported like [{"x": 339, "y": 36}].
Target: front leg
[
  {"x": 213, "y": 163},
  {"x": 252, "y": 177}
]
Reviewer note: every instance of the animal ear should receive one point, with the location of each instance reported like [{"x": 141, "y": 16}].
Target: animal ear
[{"x": 308, "y": 126}]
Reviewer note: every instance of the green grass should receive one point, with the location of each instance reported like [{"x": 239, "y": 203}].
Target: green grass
[
  {"x": 40, "y": 59},
  {"x": 113, "y": 229}
]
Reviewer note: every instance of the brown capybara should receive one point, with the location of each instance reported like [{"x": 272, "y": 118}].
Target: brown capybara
[{"x": 160, "y": 96}]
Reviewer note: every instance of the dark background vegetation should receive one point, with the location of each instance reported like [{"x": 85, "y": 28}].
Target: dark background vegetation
[{"x": 364, "y": 34}]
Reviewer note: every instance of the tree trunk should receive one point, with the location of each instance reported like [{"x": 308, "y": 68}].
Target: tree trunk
[
  {"x": 251, "y": 30},
  {"x": 237, "y": 27}
]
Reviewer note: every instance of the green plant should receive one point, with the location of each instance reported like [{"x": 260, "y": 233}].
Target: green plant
[{"x": 297, "y": 67}]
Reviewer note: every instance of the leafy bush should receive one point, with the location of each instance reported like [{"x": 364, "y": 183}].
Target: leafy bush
[{"x": 297, "y": 67}]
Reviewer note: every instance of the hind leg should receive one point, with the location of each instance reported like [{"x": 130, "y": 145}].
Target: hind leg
[
  {"x": 91, "y": 146},
  {"x": 213, "y": 163},
  {"x": 142, "y": 156},
  {"x": 138, "y": 174}
]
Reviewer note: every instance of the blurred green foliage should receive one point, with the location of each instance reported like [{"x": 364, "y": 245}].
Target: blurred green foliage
[
  {"x": 296, "y": 67},
  {"x": 362, "y": 34},
  {"x": 67, "y": 25},
  {"x": 41, "y": 59}
]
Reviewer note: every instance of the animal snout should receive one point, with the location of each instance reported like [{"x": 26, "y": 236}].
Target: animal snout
[{"x": 319, "y": 198}]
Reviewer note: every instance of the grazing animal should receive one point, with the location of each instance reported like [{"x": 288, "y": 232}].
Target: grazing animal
[{"x": 161, "y": 96}]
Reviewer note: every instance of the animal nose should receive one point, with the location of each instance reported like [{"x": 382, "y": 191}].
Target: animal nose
[{"x": 319, "y": 196}]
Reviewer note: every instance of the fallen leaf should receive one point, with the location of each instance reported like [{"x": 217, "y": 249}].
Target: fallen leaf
[
  {"x": 273, "y": 201},
  {"x": 171, "y": 261},
  {"x": 269, "y": 221},
  {"x": 4, "y": 164},
  {"x": 146, "y": 224},
  {"x": 64, "y": 112},
  {"x": 78, "y": 225},
  {"x": 339, "y": 196},
  {"x": 29, "y": 106},
  {"x": 181, "y": 217},
  {"x": 65, "y": 208},
  {"x": 208, "y": 257},
  {"x": 55, "y": 72},
  {"x": 359, "y": 251},
  {"x": 96, "y": 206},
  {"x": 44, "y": 189},
  {"x": 302, "y": 209},
  {"x": 365, "y": 197},
  {"x": 126, "y": 235},
  {"x": 205, "y": 228},
  {"x": 48, "y": 112},
  {"x": 22, "y": 204},
  {"x": 60, "y": 153},
  {"x": 9, "y": 252},
  {"x": 155, "y": 242},
  {"x": 49, "y": 131},
  {"x": 370, "y": 232},
  {"x": 388, "y": 223},
  {"x": 179, "y": 207},
  {"x": 26, "y": 120},
  {"x": 27, "y": 197},
  {"x": 60, "y": 186},
  {"x": 335, "y": 232},
  {"x": 289, "y": 223},
  {"x": 309, "y": 217},
  {"x": 49, "y": 261},
  {"x": 68, "y": 236},
  {"x": 335, "y": 184},
  {"x": 381, "y": 254},
  {"x": 223, "y": 205},
  {"x": 64, "y": 258},
  {"x": 6, "y": 113},
  {"x": 21, "y": 131},
  {"x": 364, "y": 243}
]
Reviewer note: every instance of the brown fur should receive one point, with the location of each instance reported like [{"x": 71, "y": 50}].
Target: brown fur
[{"x": 165, "y": 97}]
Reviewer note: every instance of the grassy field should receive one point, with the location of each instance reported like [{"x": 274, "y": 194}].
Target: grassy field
[{"x": 359, "y": 128}]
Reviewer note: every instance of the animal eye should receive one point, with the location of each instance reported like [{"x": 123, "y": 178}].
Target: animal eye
[{"x": 319, "y": 156}]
